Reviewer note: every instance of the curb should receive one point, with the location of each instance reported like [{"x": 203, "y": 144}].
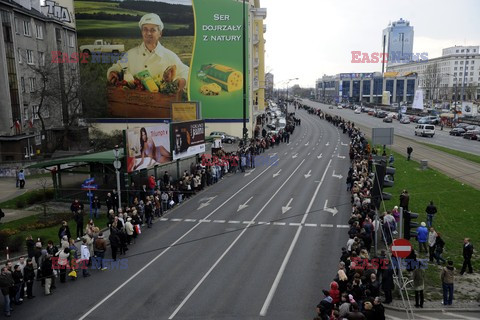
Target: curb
[{"x": 424, "y": 310}]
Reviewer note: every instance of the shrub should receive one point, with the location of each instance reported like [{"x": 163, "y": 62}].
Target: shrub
[
  {"x": 49, "y": 194},
  {"x": 20, "y": 204},
  {"x": 32, "y": 198},
  {"x": 15, "y": 244}
]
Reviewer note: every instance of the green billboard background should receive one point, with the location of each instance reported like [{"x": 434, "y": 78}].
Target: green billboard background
[{"x": 218, "y": 42}]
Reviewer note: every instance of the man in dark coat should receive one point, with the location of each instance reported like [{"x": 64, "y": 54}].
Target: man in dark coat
[
  {"x": 6, "y": 283},
  {"x": 404, "y": 200},
  {"x": 430, "y": 210},
  {"x": 467, "y": 256},
  {"x": 387, "y": 284}
]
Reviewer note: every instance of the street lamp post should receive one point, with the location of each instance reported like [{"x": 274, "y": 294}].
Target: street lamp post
[
  {"x": 117, "y": 165},
  {"x": 288, "y": 82},
  {"x": 244, "y": 48}
]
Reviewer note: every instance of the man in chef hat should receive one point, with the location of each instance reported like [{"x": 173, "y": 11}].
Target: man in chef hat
[{"x": 150, "y": 55}]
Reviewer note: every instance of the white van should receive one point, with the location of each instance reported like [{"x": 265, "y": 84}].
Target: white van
[{"x": 425, "y": 130}]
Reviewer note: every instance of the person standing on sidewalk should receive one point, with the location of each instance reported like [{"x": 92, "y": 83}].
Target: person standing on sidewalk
[
  {"x": 439, "y": 245},
  {"x": 85, "y": 257},
  {"x": 21, "y": 179},
  {"x": 448, "y": 277},
  {"x": 430, "y": 210},
  {"x": 467, "y": 256},
  {"x": 29, "y": 277},
  {"x": 418, "y": 276},
  {"x": 6, "y": 283},
  {"x": 404, "y": 200},
  {"x": 409, "y": 152}
]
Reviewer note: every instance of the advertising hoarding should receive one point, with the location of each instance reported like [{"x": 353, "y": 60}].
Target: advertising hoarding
[
  {"x": 185, "y": 111},
  {"x": 188, "y": 138},
  {"x": 148, "y": 147},
  {"x": 198, "y": 57}
]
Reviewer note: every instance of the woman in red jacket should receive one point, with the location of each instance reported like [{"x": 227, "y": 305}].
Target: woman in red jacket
[{"x": 334, "y": 293}]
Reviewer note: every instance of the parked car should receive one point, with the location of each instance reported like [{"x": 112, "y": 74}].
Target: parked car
[
  {"x": 358, "y": 111},
  {"x": 226, "y": 138},
  {"x": 425, "y": 130},
  {"x": 371, "y": 113},
  {"x": 330, "y": 107},
  {"x": 472, "y": 135},
  {"x": 387, "y": 119},
  {"x": 457, "y": 132},
  {"x": 381, "y": 114},
  {"x": 339, "y": 107},
  {"x": 462, "y": 125},
  {"x": 405, "y": 120}
]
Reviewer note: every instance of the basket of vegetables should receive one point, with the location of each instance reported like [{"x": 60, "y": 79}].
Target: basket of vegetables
[{"x": 144, "y": 95}]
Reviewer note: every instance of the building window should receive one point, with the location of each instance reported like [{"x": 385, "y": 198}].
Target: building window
[
  {"x": 466, "y": 62},
  {"x": 26, "y": 28},
  {"x": 45, "y": 112},
  {"x": 454, "y": 74},
  {"x": 29, "y": 56},
  {"x": 33, "y": 83},
  {"x": 35, "y": 113},
  {"x": 71, "y": 41},
  {"x": 25, "y": 112},
  {"x": 455, "y": 68},
  {"x": 19, "y": 56},
  {"x": 457, "y": 51},
  {"x": 456, "y": 62},
  {"x": 473, "y": 61},
  {"x": 471, "y": 68},
  {"x": 39, "y": 29},
  {"x": 22, "y": 84},
  {"x": 41, "y": 59},
  {"x": 463, "y": 50},
  {"x": 17, "y": 26},
  {"x": 461, "y": 62},
  {"x": 468, "y": 50},
  {"x": 58, "y": 35},
  {"x": 461, "y": 68},
  {"x": 38, "y": 139},
  {"x": 471, "y": 73}
]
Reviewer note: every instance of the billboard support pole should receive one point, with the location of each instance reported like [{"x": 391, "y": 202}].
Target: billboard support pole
[
  {"x": 244, "y": 79},
  {"x": 178, "y": 169}
]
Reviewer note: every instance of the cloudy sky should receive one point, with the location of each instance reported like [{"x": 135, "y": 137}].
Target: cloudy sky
[{"x": 310, "y": 38}]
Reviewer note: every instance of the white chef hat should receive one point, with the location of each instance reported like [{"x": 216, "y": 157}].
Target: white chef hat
[{"x": 151, "y": 18}]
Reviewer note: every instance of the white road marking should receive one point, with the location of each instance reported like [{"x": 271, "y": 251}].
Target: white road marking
[
  {"x": 459, "y": 316},
  {"x": 163, "y": 219},
  {"x": 287, "y": 207},
  {"x": 233, "y": 221},
  {"x": 190, "y": 220},
  {"x": 262, "y": 222},
  {"x": 169, "y": 247},
  {"x": 294, "y": 224},
  {"x": 176, "y": 220},
  {"x": 310, "y": 224},
  {"x": 326, "y": 225},
  {"x": 274, "y": 287},
  {"x": 277, "y": 174},
  {"x": 279, "y": 223},
  {"x": 243, "y": 206},
  {"x": 248, "y": 222},
  {"x": 424, "y": 317},
  {"x": 219, "y": 221},
  {"x": 343, "y": 226},
  {"x": 204, "y": 220},
  {"x": 232, "y": 244},
  {"x": 308, "y": 154}
]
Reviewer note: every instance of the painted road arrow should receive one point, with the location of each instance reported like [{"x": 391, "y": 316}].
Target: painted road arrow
[
  {"x": 344, "y": 144},
  {"x": 308, "y": 175},
  {"x": 339, "y": 176},
  {"x": 277, "y": 174},
  {"x": 341, "y": 157},
  {"x": 204, "y": 204},
  {"x": 327, "y": 144},
  {"x": 295, "y": 155},
  {"x": 249, "y": 172},
  {"x": 243, "y": 206},
  {"x": 333, "y": 210},
  {"x": 319, "y": 156},
  {"x": 306, "y": 144},
  {"x": 287, "y": 207},
  {"x": 273, "y": 155}
]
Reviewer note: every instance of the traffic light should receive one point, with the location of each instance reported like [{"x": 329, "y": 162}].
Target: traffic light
[
  {"x": 409, "y": 226},
  {"x": 384, "y": 178}
]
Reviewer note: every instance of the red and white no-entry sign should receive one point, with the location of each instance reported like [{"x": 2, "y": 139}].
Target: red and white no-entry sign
[{"x": 401, "y": 248}]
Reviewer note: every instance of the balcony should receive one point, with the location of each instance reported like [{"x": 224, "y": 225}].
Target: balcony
[
  {"x": 255, "y": 39},
  {"x": 259, "y": 13},
  {"x": 255, "y": 62}
]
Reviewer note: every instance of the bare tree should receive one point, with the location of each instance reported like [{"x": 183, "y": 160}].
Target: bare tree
[
  {"x": 59, "y": 95},
  {"x": 44, "y": 184},
  {"x": 432, "y": 79},
  {"x": 470, "y": 91}
]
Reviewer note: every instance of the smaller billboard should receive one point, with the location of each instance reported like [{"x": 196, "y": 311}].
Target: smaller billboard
[
  {"x": 188, "y": 138},
  {"x": 185, "y": 111},
  {"x": 148, "y": 147}
]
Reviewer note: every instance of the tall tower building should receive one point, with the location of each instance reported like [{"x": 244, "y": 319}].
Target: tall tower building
[{"x": 397, "y": 42}]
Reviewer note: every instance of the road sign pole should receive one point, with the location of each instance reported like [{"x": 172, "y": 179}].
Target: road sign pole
[
  {"x": 400, "y": 227},
  {"x": 376, "y": 231}
]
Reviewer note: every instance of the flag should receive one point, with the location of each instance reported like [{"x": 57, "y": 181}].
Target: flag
[{"x": 17, "y": 124}]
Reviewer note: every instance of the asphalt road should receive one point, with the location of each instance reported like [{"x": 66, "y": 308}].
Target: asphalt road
[
  {"x": 441, "y": 137},
  {"x": 257, "y": 245},
  {"x": 455, "y": 167}
]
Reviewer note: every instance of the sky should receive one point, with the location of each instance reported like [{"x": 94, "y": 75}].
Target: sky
[{"x": 306, "y": 39}]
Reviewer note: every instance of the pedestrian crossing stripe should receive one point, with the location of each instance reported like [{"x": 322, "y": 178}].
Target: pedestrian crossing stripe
[{"x": 288, "y": 224}]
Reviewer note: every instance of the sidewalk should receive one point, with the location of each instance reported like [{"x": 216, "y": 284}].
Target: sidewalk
[{"x": 429, "y": 306}]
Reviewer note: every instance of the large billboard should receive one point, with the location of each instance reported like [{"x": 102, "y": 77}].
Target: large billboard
[
  {"x": 188, "y": 138},
  {"x": 148, "y": 146},
  {"x": 144, "y": 55}
]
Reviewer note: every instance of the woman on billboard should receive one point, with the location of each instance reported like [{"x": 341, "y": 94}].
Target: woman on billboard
[{"x": 148, "y": 149}]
